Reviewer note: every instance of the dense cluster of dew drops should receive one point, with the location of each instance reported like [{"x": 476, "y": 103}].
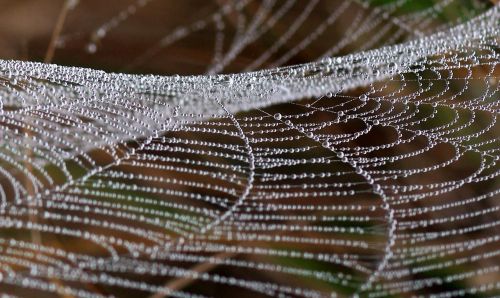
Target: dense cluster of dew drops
[{"x": 370, "y": 174}]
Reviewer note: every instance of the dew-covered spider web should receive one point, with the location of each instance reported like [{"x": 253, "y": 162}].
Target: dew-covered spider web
[{"x": 371, "y": 170}]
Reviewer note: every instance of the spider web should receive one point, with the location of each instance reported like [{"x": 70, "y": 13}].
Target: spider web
[{"x": 369, "y": 174}]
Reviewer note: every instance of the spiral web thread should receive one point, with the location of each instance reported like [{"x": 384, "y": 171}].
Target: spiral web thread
[{"x": 371, "y": 174}]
